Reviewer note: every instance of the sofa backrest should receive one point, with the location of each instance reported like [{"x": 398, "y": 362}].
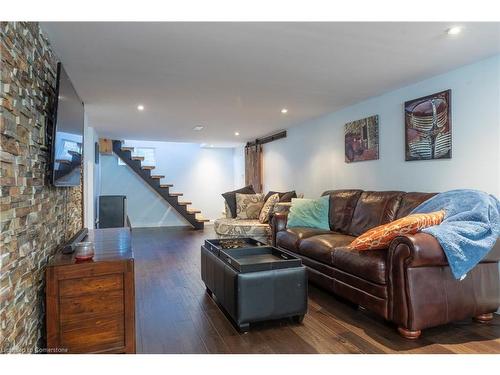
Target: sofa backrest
[
  {"x": 342, "y": 205},
  {"x": 410, "y": 201},
  {"x": 354, "y": 212},
  {"x": 374, "y": 208}
]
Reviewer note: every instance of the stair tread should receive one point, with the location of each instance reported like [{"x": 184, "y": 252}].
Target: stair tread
[
  {"x": 197, "y": 221},
  {"x": 201, "y": 219}
]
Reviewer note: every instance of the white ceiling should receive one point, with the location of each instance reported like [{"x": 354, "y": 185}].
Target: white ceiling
[{"x": 237, "y": 76}]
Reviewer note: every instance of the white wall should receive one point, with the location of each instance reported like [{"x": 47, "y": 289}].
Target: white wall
[
  {"x": 311, "y": 158},
  {"x": 202, "y": 174},
  {"x": 239, "y": 166},
  {"x": 90, "y": 176}
]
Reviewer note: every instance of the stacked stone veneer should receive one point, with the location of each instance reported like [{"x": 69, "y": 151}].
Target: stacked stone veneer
[{"x": 35, "y": 217}]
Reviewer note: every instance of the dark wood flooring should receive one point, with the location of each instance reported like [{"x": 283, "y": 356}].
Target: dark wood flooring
[{"x": 175, "y": 315}]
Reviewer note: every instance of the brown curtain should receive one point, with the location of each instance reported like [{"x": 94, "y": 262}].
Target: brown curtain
[{"x": 253, "y": 167}]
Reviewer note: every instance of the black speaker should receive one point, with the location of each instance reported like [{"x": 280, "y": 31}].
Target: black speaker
[{"x": 112, "y": 211}]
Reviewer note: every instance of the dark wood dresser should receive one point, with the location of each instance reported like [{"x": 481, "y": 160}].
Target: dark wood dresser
[{"x": 91, "y": 304}]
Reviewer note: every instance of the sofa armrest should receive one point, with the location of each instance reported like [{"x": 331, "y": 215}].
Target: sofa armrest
[
  {"x": 411, "y": 252},
  {"x": 423, "y": 250},
  {"x": 422, "y": 291},
  {"x": 417, "y": 250},
  {"x": 278, "y": 223},
  {"x": 493, "y": 255}
]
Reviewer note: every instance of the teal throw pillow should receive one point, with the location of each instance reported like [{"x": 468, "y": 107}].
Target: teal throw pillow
[{"x": 312, "y": 213}]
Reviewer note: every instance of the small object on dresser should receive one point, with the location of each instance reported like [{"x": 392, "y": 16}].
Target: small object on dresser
[
  {"x": 69, "y": 248},
  {"x": 84, "y": 251}
]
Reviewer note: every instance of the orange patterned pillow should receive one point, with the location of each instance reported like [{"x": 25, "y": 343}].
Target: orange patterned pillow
[{"x": 380, "y": 237}]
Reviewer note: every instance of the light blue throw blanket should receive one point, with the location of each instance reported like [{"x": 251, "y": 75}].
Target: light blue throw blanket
[{"x": 470, "y": 228}]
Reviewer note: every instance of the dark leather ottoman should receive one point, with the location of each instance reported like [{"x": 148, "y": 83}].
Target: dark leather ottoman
[{"x": 255, "y": 284}]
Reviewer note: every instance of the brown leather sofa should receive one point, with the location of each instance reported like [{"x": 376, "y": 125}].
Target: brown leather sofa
[{"x": 410, "y": 283}]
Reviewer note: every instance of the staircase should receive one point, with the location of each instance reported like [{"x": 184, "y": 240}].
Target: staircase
[{"x": 193, "y": 216}]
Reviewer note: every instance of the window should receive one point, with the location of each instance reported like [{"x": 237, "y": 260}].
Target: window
[{"x": 148, "y": 153}]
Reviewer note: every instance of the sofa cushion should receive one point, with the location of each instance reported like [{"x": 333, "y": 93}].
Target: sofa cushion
[
  {"x": 230, "y": 197},
  {"x": 248, "y": 206},
  {"x": 284, "y": 196},
  {"x": 290, "y": 238},
  {"x": 268, "y": 208},
  {"x": 241, "y": 228},
  {"x": 368, "y": 265},
  {"x": 312, "y": 213},
  {"x": 410, "y": 201},
  {"x": 342, "y": 205},
  {"x": 281, "y": 207},
  {"x": 227, "y": 211},
  {"x": 374, "y": 208},
  {"x": 380, "y": 237},
  {"x": 320, "y": 247}
]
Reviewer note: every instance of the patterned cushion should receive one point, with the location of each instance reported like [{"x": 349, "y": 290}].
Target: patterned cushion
[
  {"x": 248, "y": 206},
  {"x": 230, "y": 197},
  {"x": 234, "y": 228},
  {"x": 380, "y": 237},
  {"x": 268, "y": 207}
]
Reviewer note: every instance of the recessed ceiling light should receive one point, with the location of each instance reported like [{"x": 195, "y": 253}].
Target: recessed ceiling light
[
  {"x": 454, "y": 30},
  {"x": 198, "y": 128},
  {"x": 140, "y": 107},
  {"x": 284, "y": 110},
  {"x": 236, "y": 133}
]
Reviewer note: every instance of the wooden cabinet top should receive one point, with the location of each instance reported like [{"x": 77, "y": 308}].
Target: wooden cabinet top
[{"x": 110, "y": 244}]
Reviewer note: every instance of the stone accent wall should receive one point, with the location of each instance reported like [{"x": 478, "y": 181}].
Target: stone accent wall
[{"x": 35, "y": 217}]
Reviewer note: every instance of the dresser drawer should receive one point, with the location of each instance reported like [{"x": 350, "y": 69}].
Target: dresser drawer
[
  {"x": 91, "y": 335},
  {"x": 91, "y": 305},
  {"x": 84, "y": 285}
]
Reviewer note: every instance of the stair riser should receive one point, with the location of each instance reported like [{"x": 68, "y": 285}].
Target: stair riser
[
  {"x": 147, "y": 176},
  {"x": 145, "y": 172}
]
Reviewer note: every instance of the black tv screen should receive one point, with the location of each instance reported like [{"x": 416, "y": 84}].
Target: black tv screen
[{"x": 67, "y": 137}]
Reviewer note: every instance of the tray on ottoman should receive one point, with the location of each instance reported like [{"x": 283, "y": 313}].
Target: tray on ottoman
[
  {"x": 258, "y": 259},
  {"x": 216, "y": 245},
  {"x": 254, "y": 283}
]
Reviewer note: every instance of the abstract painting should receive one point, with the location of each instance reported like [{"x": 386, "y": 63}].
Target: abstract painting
[
  {"x": 428, "y": 127},
  {"x": 361, "y": 140}
]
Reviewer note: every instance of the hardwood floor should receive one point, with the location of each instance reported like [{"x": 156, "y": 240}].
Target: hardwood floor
[{"x": 175, "y": 315}]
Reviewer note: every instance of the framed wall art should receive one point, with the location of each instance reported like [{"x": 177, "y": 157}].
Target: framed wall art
[
  {"x": 428, "y": 127},
  {"x": 361, "y": 140}
]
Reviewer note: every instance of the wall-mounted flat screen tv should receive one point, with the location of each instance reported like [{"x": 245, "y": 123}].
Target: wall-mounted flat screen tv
[{"x": 67, "y": 137}]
